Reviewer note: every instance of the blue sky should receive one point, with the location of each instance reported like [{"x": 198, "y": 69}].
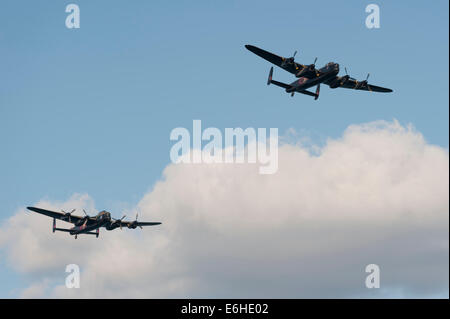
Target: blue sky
[{"x": 90, "y": 110}]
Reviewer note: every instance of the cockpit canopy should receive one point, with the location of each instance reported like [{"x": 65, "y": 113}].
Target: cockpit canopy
[
  {"x": 330, "y": 66},
  {"x": 104, "y": 215}
]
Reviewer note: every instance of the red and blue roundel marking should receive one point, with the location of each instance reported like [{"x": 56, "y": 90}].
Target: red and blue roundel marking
[{"x": 302, "y": 80}]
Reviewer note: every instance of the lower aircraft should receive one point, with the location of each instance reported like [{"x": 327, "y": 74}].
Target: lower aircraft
[
  {"x": 90, "y": 225},
  {"x": 308, "y": 76}
]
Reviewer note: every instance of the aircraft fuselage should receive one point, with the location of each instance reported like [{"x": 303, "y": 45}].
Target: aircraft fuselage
[
  {"x": 103, "y": 219},
  {"x": 326, "y": 73}
]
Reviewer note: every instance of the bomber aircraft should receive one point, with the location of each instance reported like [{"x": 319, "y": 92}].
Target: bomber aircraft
[
  {"x": 90, "y": 225},
  {"x": 308, "y": 76}
]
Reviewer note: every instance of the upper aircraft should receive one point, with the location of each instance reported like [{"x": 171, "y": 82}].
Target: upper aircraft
[
  {"x": 87, "y": 224},
  {"x": 308, "y": 76}
]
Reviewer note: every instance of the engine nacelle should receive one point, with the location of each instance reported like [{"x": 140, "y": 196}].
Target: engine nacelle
[
  {"x": 82, "y": 221},
  {"x": 132, "y": 225},
  {"x": 307, "y": 70},
  {"x": 339, "y": 81}
]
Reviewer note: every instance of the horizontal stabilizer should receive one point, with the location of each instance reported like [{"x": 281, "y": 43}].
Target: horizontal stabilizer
[
  {"x": 280, "y": 84},
  {"x": 307, "y": 93},
  {"x": 62, "y": 229}
]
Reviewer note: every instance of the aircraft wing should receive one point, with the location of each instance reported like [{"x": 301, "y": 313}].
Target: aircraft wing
[
  {"x": 140, "y": 223},
  {"x": 61, "y": 216},
  {"x": 275, "y": 59},
  {"x": 352, "y": 83},
  {"x": 148, "y": 223},
  {"x": 133, "y": 224}
]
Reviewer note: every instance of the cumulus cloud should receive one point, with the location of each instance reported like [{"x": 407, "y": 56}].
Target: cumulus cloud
[{"x": 378, "y": 194}]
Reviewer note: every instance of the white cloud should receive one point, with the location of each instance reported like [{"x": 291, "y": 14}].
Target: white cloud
[{"x": 378, "y": 194}]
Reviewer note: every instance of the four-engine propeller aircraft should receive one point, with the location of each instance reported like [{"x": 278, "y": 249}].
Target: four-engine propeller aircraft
[
  {"x": 308, "y": 76},
  {"x": 90, "y": 225}
]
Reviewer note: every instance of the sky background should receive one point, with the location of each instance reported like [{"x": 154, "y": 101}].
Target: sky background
[{"x": 90, "y": 110}]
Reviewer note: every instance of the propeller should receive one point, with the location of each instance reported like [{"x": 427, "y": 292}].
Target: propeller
[
  {"x": 86, "y": 217},
  {"x": 308, "y": 68},
  {"x": 68, "y": 215},
  {"x": 289, "y": 60},
  {"x": 137, "y": 213},
  {"x": 345, "y": 77},
  {"x": 134, "y": 223},
  {"x": 348, "y": 75},
  {"x": 312, "y": 67},
  {"x": 364, "y": 83},
  {"x": 119, "y": 220},
  {"x": 368, "y": 86}
]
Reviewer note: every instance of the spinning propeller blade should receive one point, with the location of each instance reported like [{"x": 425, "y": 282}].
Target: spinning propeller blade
[
  {"x": 68, "y": 214},
  {"x": 137, "y": 213},
  {"x": 120, "y": 220}
]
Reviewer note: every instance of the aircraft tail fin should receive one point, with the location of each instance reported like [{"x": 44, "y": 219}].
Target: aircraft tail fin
[
  {"x": 269, "y": 80},
  {"x": 280, "y": 84}
]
